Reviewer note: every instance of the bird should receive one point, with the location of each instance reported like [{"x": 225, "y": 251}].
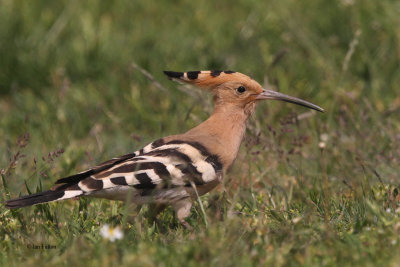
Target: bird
[{"x": 177, "y": 169}]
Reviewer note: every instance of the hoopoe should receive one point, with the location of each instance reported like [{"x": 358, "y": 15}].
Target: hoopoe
[{"x": 176, "y": 169}]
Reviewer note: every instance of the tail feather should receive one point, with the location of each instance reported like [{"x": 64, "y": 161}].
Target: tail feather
[{"x": 41, "y": 197}]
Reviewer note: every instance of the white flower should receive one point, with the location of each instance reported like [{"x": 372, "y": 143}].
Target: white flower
[
  {"x": 296, "y": 220},
  {"x": 323, "y": 140},
  {"x": 322, "y": 145},
  {"x": 388, "y": 210},
  {"x": 324, "y": 137},
  {"x": 110, "y": 233}
]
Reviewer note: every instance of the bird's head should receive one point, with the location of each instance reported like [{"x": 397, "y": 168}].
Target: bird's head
[{"x": 234, "y": 88}]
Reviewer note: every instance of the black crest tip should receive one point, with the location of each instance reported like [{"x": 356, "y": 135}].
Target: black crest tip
[
  {"x": 173, "y": 74},
  {"x": 192, "y": 75},
  {"x": 229, "y": 71},
  {"x": 215, "y": 73}
]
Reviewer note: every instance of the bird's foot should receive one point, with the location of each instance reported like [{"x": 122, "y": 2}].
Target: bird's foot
[{"x": 186, "y": 225}]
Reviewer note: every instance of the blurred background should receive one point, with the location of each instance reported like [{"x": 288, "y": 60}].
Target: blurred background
[{"x": 82, "y": 81}]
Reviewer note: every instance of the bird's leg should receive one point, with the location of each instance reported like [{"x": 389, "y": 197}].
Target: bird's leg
[
  {"x": 182, "y": 210},
  {"x": 154, "y": 210}
]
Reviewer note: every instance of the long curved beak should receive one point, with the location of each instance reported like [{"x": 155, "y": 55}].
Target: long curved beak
[{"x": 268, "y": 94}]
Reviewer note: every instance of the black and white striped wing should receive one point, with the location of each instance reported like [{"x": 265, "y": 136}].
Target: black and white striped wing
[{"x": 158, "y": 165}]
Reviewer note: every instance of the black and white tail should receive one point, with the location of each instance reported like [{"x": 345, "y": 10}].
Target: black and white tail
[
  {"x": 69, "y": 188},
  {"x": 42, "y": 197}
]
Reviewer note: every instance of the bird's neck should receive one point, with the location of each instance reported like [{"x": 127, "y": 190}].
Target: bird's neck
[{"x": 223, "y": 131}]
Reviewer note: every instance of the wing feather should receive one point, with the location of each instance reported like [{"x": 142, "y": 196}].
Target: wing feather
[
  {"x": 96, "y": 169},
  {"x": 158, "y": 165}
]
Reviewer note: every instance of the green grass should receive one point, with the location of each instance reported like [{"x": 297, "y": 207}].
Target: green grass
[{"x": 71, "y": 97}]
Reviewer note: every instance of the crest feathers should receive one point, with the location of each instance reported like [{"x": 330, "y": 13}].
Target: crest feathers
[{"x": 207, "y": 78}]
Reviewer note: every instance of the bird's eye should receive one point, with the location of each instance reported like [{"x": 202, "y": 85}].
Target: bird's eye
[{"x": 241, "y": 89}]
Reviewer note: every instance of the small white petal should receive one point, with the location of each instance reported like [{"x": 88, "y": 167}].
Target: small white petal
[
  {"x": 324, "y": 137},
  {"x": 118, "y": 234},
  {"x": 322, "y": 145},
  {"x": 105, "y": 231}
]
